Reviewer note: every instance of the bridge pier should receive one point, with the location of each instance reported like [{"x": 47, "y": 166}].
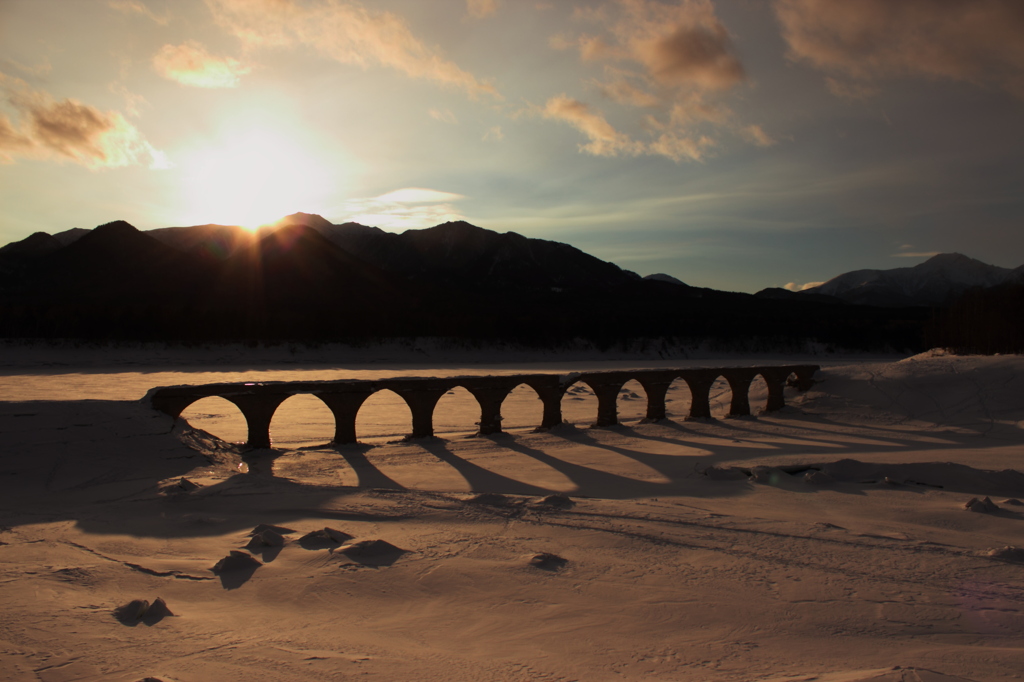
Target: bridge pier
[
  {"x": 656, "y": 390},
  {"x": 700, "y": 390},
  {"x": 345, "y": 407},
  {"x": 551, "y": 398},
  {"x": 421, "y": 402},
  {"x": 258, "y": 410},
  {"x": 607, "y": 393},
  {"x": 490, "y": 400},
  {"x": 776, "y": 381},
  {"x": 739, "y": 385}
]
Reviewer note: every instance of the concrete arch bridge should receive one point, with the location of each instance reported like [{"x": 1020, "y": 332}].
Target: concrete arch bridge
[{"x": 259, "y": 401}]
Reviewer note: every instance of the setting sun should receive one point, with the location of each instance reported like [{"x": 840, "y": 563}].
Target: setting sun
[{"x": 253, "y": 177}]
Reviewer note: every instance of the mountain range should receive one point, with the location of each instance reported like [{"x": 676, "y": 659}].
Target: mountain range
[
  {"x": 935, "y": 282},
  {"x": 305, "y": 278}
]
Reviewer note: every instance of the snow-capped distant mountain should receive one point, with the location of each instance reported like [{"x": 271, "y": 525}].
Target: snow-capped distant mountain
[{"x": 933, "y": 282}]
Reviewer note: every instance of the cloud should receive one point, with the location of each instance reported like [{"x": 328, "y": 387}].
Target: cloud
[
  {"x": 757, "y": 135},
  {"x": 443, "y": 115},
  {"x": 190, "y": 64},
  {"x": 915, "y": 254},
  {"x": 346, "y": 31},
  {"x": 68, "y": 130},
  {"x": 133, "y": 103},
  {"x": 478, "y": 9},
  {"x": 604, "y": 139},
  {"x": 677, "y": 58},
  {"x": 621, "y": 90},
  {"x": 137, "y": 7},
  {"x": 406, "y": 208},
  {"x": 679, "y": 45},
  {"x": 793, "y": 286},
  {"x": 494, "y": 133},
  {"x": 977, "y": 41}
]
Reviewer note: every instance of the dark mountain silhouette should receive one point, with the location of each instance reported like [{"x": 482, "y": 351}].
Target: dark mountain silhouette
[
  {"x": 662, "y": 277},
  {"x": 461, "y": 254},
  {"x": 936, "y": 282},
  {"x": 306, "y": 279},
  {"x": 206, "y": 241},
  {"x": 113, "y": 259},
  {"x": 297, "y": 260},
  {"x": 32, "y": 246},
  {"x": 17, "y": 255},
  {"x": 68, "y": 236},
  {"x": 781, "y": 294}
]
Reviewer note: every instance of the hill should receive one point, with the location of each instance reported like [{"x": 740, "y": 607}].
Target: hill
[
  {"x": 936, "y": 282},
  {"x": 307, "y": 279}
]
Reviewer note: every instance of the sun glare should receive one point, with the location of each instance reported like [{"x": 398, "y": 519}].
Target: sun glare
[{"x": 253, "y": 177}]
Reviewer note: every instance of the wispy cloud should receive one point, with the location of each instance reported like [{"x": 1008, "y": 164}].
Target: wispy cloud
[
  {"x": 346, "y": 31},
  {"x": 139, "y": 8},
  {"x": 478, "y": 9},
  {"x": 977, "y": 41},
  {"x": 494, "y": 134},
  {"x": 406, "y": 208},
  {"x": 793, "y": 286},
  {"x": 604, "y": 139},
  {"x": 68, "y": 130},
  {"x": 443, "y": 115},
  {"x": 133, "y": 102},
  {"x": 915, "y": 254},
  {"x": 677, "y": 58},
  {"x": 190, "y": 64}
]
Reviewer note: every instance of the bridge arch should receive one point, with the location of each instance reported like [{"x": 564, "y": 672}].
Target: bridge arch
[
  {"x": 302, "y": 419},
  {"x": 522, "y": 408},
  {"x": 457, "y": 411},
  {"x": 678, "y": 399},
  {"x": 757, "y": 394},
  {"x": 632, "y": 402},
  {"x": 218, "y": 417},
  {"x": 720, "y": 397},
  {"x": 579, "y": 403},
  {"x": 381, "y": 416}
]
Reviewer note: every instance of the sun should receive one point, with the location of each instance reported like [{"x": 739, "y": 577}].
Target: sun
[{"x": 252, "y": 177}]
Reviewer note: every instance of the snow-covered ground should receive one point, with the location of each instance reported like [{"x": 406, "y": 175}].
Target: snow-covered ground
[{"x": 828, "y": 541}]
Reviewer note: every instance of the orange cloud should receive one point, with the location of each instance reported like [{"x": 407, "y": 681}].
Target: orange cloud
[
  {"x": 757, "y": 135},
  {"x": 604, "y": 139},
  {"x": 69, "y": 131},
  {"x": 190, "y": 64},
  {"x": 345, "y": 31},
  {"x": 675, "y": 57},
  {"x": 621, "y": 90},
  {"x": 977, "y": 41},
  {"x": 681, "y": 45}
]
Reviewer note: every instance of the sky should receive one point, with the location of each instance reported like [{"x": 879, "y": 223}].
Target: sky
[{"x": 734, "y": 144}]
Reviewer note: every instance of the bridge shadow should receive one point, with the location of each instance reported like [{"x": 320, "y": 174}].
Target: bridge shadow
[
  {"x": 479, "y": 479},
  {"x": 367, "y": 474},
  {"x": 590, "y": 481},
  {"x": 70, "y": 474}
]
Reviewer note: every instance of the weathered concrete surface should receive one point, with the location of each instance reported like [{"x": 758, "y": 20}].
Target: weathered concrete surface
[{"x": 259, "y": 401}]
